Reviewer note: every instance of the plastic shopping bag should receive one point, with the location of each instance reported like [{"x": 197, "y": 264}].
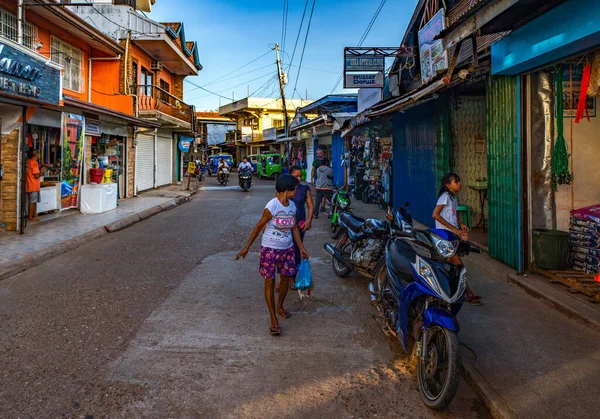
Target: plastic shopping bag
[{"x": 304, "y": 279}]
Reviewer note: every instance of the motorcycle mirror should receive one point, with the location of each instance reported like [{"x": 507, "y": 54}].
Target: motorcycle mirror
[{"x": 406, "y": 204}]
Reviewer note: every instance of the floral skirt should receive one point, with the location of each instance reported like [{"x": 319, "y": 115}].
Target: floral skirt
[{"x": 273, "y": 261}]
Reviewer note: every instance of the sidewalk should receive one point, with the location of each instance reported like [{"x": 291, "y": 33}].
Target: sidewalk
[
  {"x": 49, "y": 238},
  {"x": 531, "y": 349}
]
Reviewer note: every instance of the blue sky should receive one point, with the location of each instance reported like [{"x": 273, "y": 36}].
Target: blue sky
[{"x": 231, "y": 33}]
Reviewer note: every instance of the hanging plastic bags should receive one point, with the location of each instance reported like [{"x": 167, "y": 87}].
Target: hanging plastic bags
[{"x": 304, "y": 279}]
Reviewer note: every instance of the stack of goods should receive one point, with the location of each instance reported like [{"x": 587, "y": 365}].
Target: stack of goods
[{"x": 584, "y": 239}]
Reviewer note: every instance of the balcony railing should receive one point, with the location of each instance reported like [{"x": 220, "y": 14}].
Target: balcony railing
[{"x": 153, "y": 98}]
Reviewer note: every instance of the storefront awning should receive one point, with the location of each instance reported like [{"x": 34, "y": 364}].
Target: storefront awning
[
  {"x": 354, "y": 122},
  {"x": 340, "y": 118},
  {"x": 90, "y": 107},
  {"x": 313, "y": 122}
]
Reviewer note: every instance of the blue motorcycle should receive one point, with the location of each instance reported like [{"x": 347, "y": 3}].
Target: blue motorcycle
[{"x": 418, "y": 294}]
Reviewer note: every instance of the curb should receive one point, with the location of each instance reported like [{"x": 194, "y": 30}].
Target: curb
[
  {"x": 498, "y": 408},
  {"x": 33, "y": 259}
]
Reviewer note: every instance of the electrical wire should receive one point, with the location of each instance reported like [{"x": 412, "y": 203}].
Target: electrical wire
[
  {"x": 237, "y": 76},
  {"x": 298, "y": 35},
  {"x": 237, "y": 69},
  {"x": 363, "y": 38},
  {"x": 286, "y": 7},
  {"x": 233, "y": 87},
  {"x": 304, "y": 47},
  {"x": 206, "y": 90}
]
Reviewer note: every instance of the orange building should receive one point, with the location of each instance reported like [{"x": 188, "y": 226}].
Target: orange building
[{"x": 58, "y": 67}]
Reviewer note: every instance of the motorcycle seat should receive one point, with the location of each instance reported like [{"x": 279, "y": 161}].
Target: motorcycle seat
[
  {"x": 398, "y": 262},
  {"x": 353, "y": 222}
]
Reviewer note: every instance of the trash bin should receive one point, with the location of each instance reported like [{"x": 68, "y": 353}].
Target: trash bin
[{"x": 550, "y": 249}]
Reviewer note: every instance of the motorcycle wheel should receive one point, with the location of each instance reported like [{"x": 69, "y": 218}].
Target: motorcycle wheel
[
  {"x": 439, "y": 375},
  {"x": 340, "y": 269},
  {"x": 336, "y": 231}
]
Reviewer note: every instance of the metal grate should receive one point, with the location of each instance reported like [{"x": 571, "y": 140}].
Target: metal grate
[
  {"x": 71, "y": 59},
  {"x": 8, "y": 29}
]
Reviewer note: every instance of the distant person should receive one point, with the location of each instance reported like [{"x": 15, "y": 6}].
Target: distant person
[
  {"x": 323, "y": 185},
  {"x": 245, "y": 165},
  {"x": 316, "y": 164},
  {"x": 33, "y": 184}
]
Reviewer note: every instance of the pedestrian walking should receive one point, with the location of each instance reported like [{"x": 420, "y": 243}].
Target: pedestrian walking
[
  {"x": 277, "y": 250},
  {"x": 323, "y": 185},
  {"x": 445, "y": 216},
  {"x": 304, "y": 213}
]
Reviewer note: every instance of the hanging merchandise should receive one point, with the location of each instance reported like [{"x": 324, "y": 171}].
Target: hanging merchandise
[
  {"x": 560, "y": 155},
  {"x": 582, "y": 104},
  {"x": 593, "y": 89}
]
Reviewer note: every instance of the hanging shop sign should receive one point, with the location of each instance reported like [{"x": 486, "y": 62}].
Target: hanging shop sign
[
  {"x": 368, "y": 97},
  {"x": 433, "y": 56},
  {"x": 364, "y": 63},
  {"x": 26, "y": 76},
  {"x": 270, "y": 134},
  {"x": 73, "y": 137},
  {"x": 93, "y": 127},
  {"x": 358, "y": 80},
  {"x": 185, "y": 143}
]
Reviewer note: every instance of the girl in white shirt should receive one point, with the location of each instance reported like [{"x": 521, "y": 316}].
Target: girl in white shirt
[
  {"x": 445, "y": 217},
  {"x": 277, "y": 251}
]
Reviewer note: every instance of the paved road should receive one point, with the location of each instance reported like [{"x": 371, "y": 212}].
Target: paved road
[{"x": 159, "y": 321}]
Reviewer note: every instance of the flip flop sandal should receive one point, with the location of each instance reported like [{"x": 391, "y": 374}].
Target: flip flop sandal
[
  {"x": 474, "y": 300},
  {"x": 275, "y": 330},
  {"x": 284, "y": 314}
]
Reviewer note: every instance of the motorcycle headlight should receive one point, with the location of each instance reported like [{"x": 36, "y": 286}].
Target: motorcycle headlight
[
  {"x": 426, "y": 272},
  {"x": 406, "y": 227},
  {"x": 444, "y": 247},
  {"x": 343, "y": 204}
]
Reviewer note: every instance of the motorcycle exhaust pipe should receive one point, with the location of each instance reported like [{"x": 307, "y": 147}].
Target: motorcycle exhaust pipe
[
  {"x": 337, "y": 256},
  {"x": 372, "y": 292}
]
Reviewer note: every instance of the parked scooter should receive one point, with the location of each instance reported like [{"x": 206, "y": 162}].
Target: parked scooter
[
  {"x": 418, "y": 293},
  {"x": 200, "y": 171},
  {"x": 245, "y": 179},
  {"x": 361, "y": 245},
  {"x": 340, "y": 203}
]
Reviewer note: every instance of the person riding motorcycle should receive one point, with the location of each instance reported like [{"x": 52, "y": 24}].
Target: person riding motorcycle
[
  {"x": 244, "y": 165},
  {"x": 222, "y": 165}
]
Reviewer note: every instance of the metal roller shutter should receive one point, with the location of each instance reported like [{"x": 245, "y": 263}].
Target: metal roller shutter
[
  {"x": 164, "y": 160},
  {"x": 144, "y": 162}
]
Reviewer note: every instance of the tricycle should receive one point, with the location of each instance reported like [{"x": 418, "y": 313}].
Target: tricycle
[{"x": 268, "y": 165}]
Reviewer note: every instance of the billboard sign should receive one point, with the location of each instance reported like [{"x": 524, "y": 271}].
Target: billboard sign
[
  {"x": 270, "y": 134},
  {"x": 358, "y": 80},
  {"x": 433, "y": 56},
  {"x": 368, "y": 97},
  {"x": 364, "y": 63}
]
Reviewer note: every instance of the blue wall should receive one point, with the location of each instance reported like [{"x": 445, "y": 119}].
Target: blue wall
[
  {"x": 337, "y": 148},
  {"x": 414, "y": 162},
  {"x": 568, "y": 29}
]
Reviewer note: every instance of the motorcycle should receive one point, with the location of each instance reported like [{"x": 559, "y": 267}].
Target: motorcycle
[
  {"x": 200, "y": 171},
  {"x": 223, "y": 176},
  {"x": 361, "y": 246},
  {"x": 245, "y": 179},
  {"x": 340, "y": 202},
  {"x": 418, "y": 294}
]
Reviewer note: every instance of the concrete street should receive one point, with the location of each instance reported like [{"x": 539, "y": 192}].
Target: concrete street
[{"x": 158, "y": 320}]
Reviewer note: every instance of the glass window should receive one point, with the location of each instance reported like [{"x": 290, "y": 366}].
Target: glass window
[
  {"x": 8, "y": 29},
  {"x": 71, "y": 59},
  {"x": 147, "y": 81}
]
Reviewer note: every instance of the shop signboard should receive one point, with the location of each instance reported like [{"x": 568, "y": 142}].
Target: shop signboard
[
  {"x": 191, "y": 167},
  {"x": 364, "y": 62},
  {"x": 270, "y": 134},
  {"x": 184, "y": 144},
  {"x": 368, "y": 97},
  {"x": 246, "y": 134},
  {"x": 433, "y": 56},
  {"x": 93, "y": 127},
  {"x": 358, "y": 80},
  {"x": 73, "y": 137},
  {"x": 25, "y": 75},
  {"x": 570, "y": 108}
]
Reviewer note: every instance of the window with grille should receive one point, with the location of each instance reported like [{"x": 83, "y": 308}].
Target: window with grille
[
  {"x": 277, "y": 123},
  {"x": 71, "y": 59},
  {"x": 8, "y": 29}
]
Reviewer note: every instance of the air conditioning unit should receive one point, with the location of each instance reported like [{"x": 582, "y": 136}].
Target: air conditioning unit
[{"x": 156, "y": 66}]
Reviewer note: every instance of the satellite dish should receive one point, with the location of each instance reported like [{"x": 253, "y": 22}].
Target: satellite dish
[{"x": 145, "y": 5}]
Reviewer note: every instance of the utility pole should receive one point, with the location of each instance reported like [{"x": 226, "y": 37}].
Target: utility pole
[
  {"x": 20, "y": 22},
  {"x": 282, "y": 90}
]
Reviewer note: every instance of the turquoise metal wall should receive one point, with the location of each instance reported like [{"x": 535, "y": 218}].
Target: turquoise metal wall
[
  {"x": 337, "y": 149},
  {"x": 504, "y": 170},
  {"x": 414, "y": 163}
]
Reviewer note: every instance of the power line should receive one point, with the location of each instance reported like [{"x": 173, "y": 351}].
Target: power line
[
  {"x": 233, "y": 87},
  {"x": 363, "y": 38},
  {"x": 237, "y": 69},
  {"x": 206, "y": 90},
  {"x": 298, "y": 35},
  {"x": 315, "y": 69},
  {"x": 286, "y": 7},
  {"x": 239, "y": 75},
  {"x": 304, "y": 47}
]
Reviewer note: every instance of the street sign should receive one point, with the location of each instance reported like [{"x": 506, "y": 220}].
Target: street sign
[
  {"x": 184, "y": 144},
  {"x": 358, "y": 80},
  {"x": 433, "y": 56},
  {"x": 191, "y": 167}
]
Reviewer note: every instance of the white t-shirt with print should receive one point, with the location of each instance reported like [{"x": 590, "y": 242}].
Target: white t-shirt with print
[
  {"x": 449, "y": 212},
  {"x": 278, "y": 231}
]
